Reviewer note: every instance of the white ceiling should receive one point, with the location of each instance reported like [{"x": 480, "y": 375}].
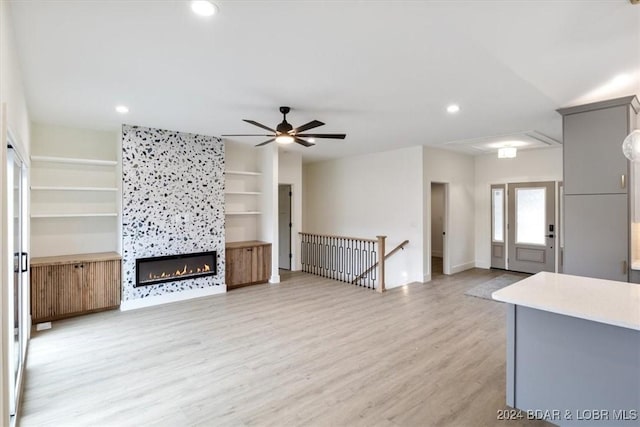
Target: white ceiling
[{"x": 383, "y": 72}]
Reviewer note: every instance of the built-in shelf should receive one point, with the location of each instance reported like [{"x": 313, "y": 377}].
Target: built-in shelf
[
  {"x": 47, "y": 188},
  {"x": 243, "y": 173},
  {"x": 244, "y": 213},
  {"x": 68, "y": 160},
  {"x": 248, "y": 193},
  {"x": 74, "y": 215}
]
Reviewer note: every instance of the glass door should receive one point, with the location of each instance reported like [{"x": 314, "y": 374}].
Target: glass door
[
  {"x": 531, "y": 233},
  {"x": 18, "y": 297}
]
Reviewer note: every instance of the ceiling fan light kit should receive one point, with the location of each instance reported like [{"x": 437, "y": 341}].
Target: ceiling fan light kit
[{"x": 284, "y": 133}]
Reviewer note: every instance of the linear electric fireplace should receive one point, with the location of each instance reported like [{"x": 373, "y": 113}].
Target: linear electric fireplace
[{"x": 154, "y": 270}]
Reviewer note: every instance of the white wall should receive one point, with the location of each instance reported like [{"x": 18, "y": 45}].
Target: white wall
[
  {"x": 458, "y": 171},
  {"x": 369, "y": 195},
  {"x": 14, "y": 117},
  {"x": 528, "y": 166},
  {"x": 437, "y": 218},
  {"x": 61, "y": 236},
  {"x": 290, "y": 172}
]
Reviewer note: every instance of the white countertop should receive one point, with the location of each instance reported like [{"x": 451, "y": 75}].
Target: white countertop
[{"x": 604, "y": 301}]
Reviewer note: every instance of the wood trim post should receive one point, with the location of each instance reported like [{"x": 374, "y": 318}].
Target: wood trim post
[{"x": 381, "y": 252}]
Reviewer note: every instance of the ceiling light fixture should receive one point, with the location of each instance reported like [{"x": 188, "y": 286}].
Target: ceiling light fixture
[
  {"x": 507, "y": 152},
  {"x": 203, "y": 8},
  {"x": 284, "y": 139},
  {"x": 453, "y": 108},
  {"x": 631, "y": 146},
  {"x": 312, "y": 140},
  {"x": 122, "y": 109}
]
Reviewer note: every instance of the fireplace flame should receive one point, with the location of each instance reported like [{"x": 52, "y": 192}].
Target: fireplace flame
[{"x": 179, "y": 272}]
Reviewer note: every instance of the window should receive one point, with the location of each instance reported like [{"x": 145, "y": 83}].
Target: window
[
  {"x": 497, "y": 222},
  {"x": 531, "y": 215}
]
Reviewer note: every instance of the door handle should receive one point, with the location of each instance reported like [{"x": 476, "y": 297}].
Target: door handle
[
  {"x": 623, "y": 181},
  {"x": 550, "y": 236},
  {"x": 25, "y": 262}
]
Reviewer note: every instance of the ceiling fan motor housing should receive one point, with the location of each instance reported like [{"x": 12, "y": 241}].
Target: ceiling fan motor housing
[{"x": 284, "y": 127}]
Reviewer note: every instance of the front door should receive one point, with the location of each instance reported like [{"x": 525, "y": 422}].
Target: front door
[{"x": 531, "y": 230}]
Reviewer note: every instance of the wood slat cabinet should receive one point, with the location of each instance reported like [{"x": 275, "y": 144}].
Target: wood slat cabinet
[
  {"x": 71, "y": 285},
  {"x": 247, "y": 263}
]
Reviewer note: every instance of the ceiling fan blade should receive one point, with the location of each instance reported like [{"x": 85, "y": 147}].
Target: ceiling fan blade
[
  {"x": 248, "y": 134},
  {"x": 324, "y": 135},
  {"x": 266, "y": 142},
  {"x": 312, "y": 124},
  {"x": 303, "y": 142},
  {"x": 253, "y": 122}
]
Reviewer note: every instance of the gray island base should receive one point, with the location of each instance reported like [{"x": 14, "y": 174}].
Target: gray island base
[{"x": 573, "y": 350}]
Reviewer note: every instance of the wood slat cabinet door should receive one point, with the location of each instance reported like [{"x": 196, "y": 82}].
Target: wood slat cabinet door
[
  {"x": 56, "y": 291},
  {"x": 101, "y": 285},
  {"x": 238, "y": 266},
  {"x": 261, "y": 264}
]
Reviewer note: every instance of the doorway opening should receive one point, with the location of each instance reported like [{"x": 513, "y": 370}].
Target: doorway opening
[
  {"x": 439, "y": 222},
  {"x": 284, "y": 226}
]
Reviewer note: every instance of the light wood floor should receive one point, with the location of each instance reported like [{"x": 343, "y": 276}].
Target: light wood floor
[{"x": 308, "y": 352}]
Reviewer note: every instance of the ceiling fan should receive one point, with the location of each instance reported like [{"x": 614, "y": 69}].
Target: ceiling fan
[{"x": 284, "y": 133}]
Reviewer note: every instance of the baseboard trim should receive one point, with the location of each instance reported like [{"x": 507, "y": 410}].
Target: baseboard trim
[
  {"x": 172, "y": 297},
  {"x": 462, "y": 267},
  {"x": 275, "y": 278}
]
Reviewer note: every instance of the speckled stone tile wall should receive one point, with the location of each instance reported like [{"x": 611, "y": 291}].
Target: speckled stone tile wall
[{"x": 172, "y": 203}]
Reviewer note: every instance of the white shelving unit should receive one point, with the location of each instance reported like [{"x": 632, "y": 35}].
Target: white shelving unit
[
  {"x": 74, "y": 215},
  {"x": 243, "y": 213},
  {"x": 68, "y": 160},
  {"x": 247, "y": 173},
  {"x": 47, "y": 188},
  {"x": 242, "y": 204},
  {"x": 244, "y": 193},
  {"x": 75, "y": 191},
  {"x": 50, "y": 169}
]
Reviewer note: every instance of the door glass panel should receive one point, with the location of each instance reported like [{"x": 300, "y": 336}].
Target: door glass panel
[
  {"x": 17, "y": 303},
  {"x": 531, "y": 215},
  {"x": 497, "y": 194}
]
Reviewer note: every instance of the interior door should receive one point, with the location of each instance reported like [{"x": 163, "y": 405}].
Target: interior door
[
  {"x": 498, "y": 226},
  {"x": 531, "y": 230}
]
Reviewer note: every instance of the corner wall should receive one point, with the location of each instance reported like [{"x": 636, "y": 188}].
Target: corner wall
[
  {"x": 173, "y": 203},
  {"x": 369, "y": 195},
  {"x": 528, "y": 166},
  {"x": 458, "y": 171}
]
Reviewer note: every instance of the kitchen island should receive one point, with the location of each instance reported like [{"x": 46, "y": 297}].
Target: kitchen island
[{"x": 573, "y": 349}]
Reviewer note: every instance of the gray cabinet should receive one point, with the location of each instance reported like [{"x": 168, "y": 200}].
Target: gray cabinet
[
  {"x": 596, "y": 179},
  {"x": 595, "y": 235},
  {"x": 593, "y": 159}
]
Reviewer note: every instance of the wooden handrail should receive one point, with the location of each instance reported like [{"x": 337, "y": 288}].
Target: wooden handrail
[
  {"x": 339, "y": 237},
  {"x": 396, "y": 249}
]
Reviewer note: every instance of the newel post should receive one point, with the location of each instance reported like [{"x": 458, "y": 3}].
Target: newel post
[{"x": 381, "y": 252}]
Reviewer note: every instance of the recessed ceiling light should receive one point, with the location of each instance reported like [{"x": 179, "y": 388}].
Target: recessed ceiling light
[
  {"x": 203, "y": 8},
  {"x": 453, "y": 108},
  {"x": 311, "y": 140},
  {"x": 122, "y": 109}
]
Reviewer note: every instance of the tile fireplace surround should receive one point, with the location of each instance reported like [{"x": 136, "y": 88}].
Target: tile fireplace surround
[{"x": 173, "y": 203}]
